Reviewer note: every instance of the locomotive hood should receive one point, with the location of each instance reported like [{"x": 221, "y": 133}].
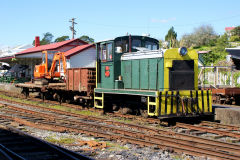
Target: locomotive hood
[{"x": 143, "y": 53}]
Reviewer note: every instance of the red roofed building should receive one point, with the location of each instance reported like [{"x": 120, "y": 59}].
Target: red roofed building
[
  {"x": 228, "y": 30},
  {"x": 78, "y": 54},
  {"x": 63, "y": 46},
  {"x": 81, "y": 56}
]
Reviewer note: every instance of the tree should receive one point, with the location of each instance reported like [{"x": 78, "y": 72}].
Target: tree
[
  {"x": 201, "y": 36},
  {"x": 172, "y": 37},
  {"x": 160, "y": 43},
  {"x": 87, "y": 39},
  {"x": 47, "y": 38},
  {"x": 187, "y": 40},
  {"x": 218, "y": 51},
  {"x": 236, "y": 31},
  {"x": 204, "y": 35},
  {"x": 62, "y": 38}
]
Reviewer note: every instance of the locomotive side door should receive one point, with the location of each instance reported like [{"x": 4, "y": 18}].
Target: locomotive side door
[{"x": 106, "y": 65}]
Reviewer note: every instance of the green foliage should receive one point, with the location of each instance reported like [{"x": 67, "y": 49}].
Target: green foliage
[
  {"x": 236, "y": 75},
  {"x": 87, "y": 39},
  {"x": 234, "y": 38},
  {"x": 228, "y": 80},
  {"x": 202, "y": 36},
  {"x": 60, "y": 140},
  {"x": 172, "y": 37},
  {"x": 222, "y": 41},
  {"x": 218, "y": 51},
  {"x": 62, "y": 38},
  {"x": 236, "y": 31},
  {"x": 47, "y": 39},
  {"x": 160, "y": 44}
]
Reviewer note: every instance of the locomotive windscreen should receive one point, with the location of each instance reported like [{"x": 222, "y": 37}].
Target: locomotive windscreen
[{"x": 181, "y": 75}]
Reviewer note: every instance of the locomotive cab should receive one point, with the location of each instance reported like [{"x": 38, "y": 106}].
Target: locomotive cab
[{"x": 109, "y": 55}]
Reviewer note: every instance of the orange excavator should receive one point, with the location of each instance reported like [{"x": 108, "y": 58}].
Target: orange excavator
[{"x": 51, "y": 68}]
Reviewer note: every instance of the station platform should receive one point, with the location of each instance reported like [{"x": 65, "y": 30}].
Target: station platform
[{"x": 227, "y": 114}]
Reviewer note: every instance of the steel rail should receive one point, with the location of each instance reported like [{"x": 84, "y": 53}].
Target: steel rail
[
  {"x": 208, "y": 130},
  {"x": 156, "y": 132},
  {"x": 156, "y": 139},
  {"x": 218, "y": 125},
  {"x": 165, "y": 144}
]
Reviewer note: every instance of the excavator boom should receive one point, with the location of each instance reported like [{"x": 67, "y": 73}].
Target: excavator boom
[{"x": 48, "y": 69}]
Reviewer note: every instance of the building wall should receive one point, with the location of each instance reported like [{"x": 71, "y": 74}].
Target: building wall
[
  {"x": 30, "y": 55},
  {"x": 86, "y": 58}
]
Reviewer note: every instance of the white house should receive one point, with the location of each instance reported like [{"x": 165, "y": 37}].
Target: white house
[{"x": 81, "y": 56}]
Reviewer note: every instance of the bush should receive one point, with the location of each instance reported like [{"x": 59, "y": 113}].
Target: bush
[{"x": 234, "y": 38}]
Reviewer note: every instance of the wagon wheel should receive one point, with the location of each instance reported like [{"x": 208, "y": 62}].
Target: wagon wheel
[
  {"x": 218, "y": 99},
  {"x": 42, "y": 95},
  {"x": 25, "y": 92}
]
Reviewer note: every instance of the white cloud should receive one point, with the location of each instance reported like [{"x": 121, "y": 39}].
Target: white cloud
[{"x": 154, "y": 20}]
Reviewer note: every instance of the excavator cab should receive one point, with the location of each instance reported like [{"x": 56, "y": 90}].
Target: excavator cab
[{"x": 51, "y": 65}]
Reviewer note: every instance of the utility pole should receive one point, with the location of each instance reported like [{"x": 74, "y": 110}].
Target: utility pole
[{"x": 72, "y": 27}]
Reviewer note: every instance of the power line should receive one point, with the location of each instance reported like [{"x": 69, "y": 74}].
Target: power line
[{"x": 177, "y": 25}]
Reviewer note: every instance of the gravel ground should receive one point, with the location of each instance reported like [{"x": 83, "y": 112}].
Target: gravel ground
[{"x": 113, "y": 151}]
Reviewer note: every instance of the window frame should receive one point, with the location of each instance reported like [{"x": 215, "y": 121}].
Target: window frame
[{"x": 104, "y": 52}]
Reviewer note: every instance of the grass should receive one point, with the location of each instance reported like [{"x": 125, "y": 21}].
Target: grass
[
  {"x": 114, "y": 146},
  {"x": 60, "y": 140},
  {"x": 122, "y": 120},
  {"x": 72, "y": 110},
  {"x": 177, "y": 157}
]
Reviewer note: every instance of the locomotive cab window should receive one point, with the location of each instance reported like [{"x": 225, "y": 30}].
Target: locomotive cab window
[
  {"x": 109, "y": 51},
  {"x": 136, "y": 43},
  {"x": 106, "y": 52},
  {"x": 150, "y": 45},
  {"x": 121, "y": 46}
]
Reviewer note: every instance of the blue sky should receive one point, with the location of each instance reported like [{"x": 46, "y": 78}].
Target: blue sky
[{"x": 22, "y": 20}]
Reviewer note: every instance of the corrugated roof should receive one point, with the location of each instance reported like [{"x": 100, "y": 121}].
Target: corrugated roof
[
  {"x": 77, "y": 49},
  {"x": 203, "y": 52},
  {"x": 7, "y": 52},
  {"x": 51, "y": 46}
]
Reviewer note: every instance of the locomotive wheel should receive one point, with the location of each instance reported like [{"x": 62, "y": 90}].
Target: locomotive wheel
[
  {"x": 237, "y": 99},
  {"x": 115, "y": 107},
  {"x": 144, "y": 113},
  {"x": 68, "y": 101},
  {"x": 126, "y": 110}
]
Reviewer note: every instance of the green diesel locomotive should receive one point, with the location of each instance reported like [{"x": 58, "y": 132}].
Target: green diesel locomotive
[{"x": 134, "y": 75}]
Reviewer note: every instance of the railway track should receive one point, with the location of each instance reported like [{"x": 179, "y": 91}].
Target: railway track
[
  {"x": 17, "y": 145},
  {"x": 145, "y": 136},
  {"x": 207, "y": 127},
  {"x": 79, "y": 107}
]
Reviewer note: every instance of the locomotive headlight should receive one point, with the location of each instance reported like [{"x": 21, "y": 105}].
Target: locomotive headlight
[{"x": 182, "y": 51}]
